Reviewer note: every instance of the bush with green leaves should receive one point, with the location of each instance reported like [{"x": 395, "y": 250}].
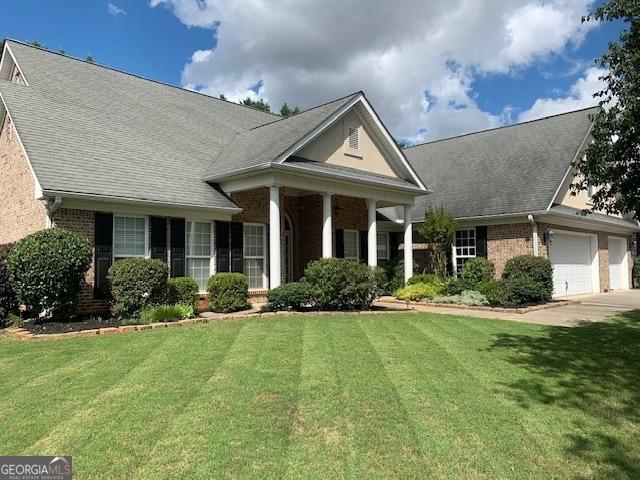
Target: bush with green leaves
[
  {"x": 228, "y": 292},
  {"x": 417, "y": 292},
  {"x": 183, "y": 290},
  {"x": 439, "y": 229},
  {"x": 497, "y": 293},
  {"x": 341, "y": 284},
  {"x": 8, "y": 300},
  {"x": 475, "y": 271},
  {"x": 290, "y": 296},
  {"x": 467, "y": 297},
  {"x": 636, "y": 271},
  {"x": 529, "y": 279},
  {"x": 162, "y": 313},
  {"x": 424, "y": 278},
  {"x": 136, "y": 283},
  {"x": 47, "y": 268}
]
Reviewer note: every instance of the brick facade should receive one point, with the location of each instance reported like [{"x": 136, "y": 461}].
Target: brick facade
[{"x": 20, "y": 213}]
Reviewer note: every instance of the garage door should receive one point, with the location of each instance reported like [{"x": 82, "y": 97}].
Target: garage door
[
  {"x": 618, "y": 270},
  {"x": 572, "y": 262}
]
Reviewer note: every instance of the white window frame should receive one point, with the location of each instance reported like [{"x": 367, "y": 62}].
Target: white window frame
[
  {"x": 357, "y": 257},
  {"x": 113, "y": 237},
  {"x": 386, "y": 235},
  {"x": 211, "y": 256},
  {"x": 455, "y": 254},
  {"x": 264, "y": 256}
]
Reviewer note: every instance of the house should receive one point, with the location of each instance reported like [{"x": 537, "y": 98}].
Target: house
[
  {"x": 145, "y": 169},
  {"x": 509, "y": 189}
]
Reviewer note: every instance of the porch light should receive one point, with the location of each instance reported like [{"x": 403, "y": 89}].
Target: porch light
[{"x": 547, "y": 237}]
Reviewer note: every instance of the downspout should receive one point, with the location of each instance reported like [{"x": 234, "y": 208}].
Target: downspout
[
  {"x": 52, "y": 207},
  {"x": 534, "y": 227}
]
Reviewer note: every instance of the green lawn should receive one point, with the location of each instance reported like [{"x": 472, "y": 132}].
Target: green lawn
[{"x": 380, "y": 396}]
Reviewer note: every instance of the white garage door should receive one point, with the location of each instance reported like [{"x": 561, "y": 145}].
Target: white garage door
[
  {"x": 572, "y": 261},
  {"x": 618, "y": 271}
]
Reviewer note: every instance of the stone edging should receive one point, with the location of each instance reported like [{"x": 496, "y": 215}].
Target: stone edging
[
  {"x": 520, "y": 310},
  {"x": 23, "y": 334}
]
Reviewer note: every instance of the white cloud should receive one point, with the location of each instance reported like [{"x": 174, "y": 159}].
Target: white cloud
[
  {"x": 306, "y": 52},
  {"x": 115, "y": 10},
  {"x": 580, "y": 95}
]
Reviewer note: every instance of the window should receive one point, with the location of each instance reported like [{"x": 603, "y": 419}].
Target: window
[
  {"x": 351, "y": 244},
  {"x": 129, "y": 237},
  {"x": 465, "y": 246},
  {"x": 383, "y": 246},
  {"x": 198, "y": 243},
  {"x": 254, "y": 251},
  {"x": 354, "y": 141}
]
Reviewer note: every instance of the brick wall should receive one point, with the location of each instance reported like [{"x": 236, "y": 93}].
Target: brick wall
[
  {"x": 20, "y": 213},
  {"x": 82, "y": 222}
]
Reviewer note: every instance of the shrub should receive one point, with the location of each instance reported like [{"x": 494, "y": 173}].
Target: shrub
[
  {"x": 136, "y": 283},
  {"x": 497, "y": 293},
  {"x": 341, "y": 284},
  {"x": 529, "y": 279},
  {"x": 8, "y": 300},
  {"x": 416, "y": 292},
  {"x": 395, "y": 274},
  {"x": 47, "y": 268},
  {"x": 455, "y": 286},
  {"x": 183, "y": 290},
  {"x": 163, "y": 313},
  {"x": 228, "y": 292},
  {"x": 439, "y": 229},
  {"x": 636, "y": 271},
  {"x": 476, "y": 270},
  {"x": 290, "y": 296},
  {"x": 468, "y": 297},
  {"x": 424, "y": 278}
]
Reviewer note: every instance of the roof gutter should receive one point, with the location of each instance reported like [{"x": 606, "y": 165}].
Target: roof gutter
[{"x": 51, "y": 207}]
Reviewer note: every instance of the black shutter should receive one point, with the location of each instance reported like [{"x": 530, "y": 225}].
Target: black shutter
[
  {"x": 481, "y": 242},
  {"x": 364, "y": 244},
  {"x": 159, "y": 238},
  {"x": 394, "y": 245},
  {"x": 104, "y": 252},
  {"x": 236, "y": 247},
  {"x": 222, "y": 247},
  {"x": 339, "y": 243},
  {"x": 177, "y": 247}
]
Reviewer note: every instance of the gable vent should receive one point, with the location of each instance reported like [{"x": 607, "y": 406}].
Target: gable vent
[{"x": 354, "y": 141}]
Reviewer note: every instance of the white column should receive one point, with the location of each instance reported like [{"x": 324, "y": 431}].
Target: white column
[
  {"x": 408, "y": 244},
  {"x": 372, "y": 238},
  {"x": 274, "y": 237},
  {"x": 327, "y": 232}
]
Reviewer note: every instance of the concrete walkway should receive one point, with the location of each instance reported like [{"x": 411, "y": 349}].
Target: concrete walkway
[{"x": 592, "y": 308}]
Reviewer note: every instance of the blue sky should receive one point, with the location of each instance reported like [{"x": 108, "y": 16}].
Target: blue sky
[{"x": 511, "y": 62}]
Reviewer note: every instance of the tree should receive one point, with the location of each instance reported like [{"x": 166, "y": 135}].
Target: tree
[
  {"x": 38, "y": 44},
  {"x": 287, "y": 111},
  {"x": 89, "y": 58},
  {"x": 439, "y": 229},
  {"x": 612, "y": 160},
  {"x": 401, "y": 143},
  {"x": 257, "y": 104},
  {"x": 223, "y": 97}
]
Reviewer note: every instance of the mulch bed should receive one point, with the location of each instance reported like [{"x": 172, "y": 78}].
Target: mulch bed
[{"x": 45, "y": 327}]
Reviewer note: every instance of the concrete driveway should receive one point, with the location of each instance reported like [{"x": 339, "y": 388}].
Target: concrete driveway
[{"x": 592, "y": 308}]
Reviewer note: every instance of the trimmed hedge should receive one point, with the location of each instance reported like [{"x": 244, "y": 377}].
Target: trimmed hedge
[
  {"x": 475, "y": 271},
  {"x": 341, "y": 284},
  {"x": 8, "y": 300},
  {"x": 290, "y": 296},
  {"x": 183, "y": 290},
  {"x": 529, "y": 279},
  {"x": 228, "y": 292},
  {"x": 417, "y": 292},
  {"x": 497, "y": 293},
  {"x": 136, "y": 283},
  {"x": 47, "y": 268}
]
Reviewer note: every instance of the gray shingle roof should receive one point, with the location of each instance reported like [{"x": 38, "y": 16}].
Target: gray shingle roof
[
  {"x": 90, "y": 129},
  {"x": 506, "y": 170},
  {"x": 571, "y": 212},
  {"x": 265, "y": 143}
]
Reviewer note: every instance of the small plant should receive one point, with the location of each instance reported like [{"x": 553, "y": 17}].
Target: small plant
[
  {"x": 416, "y": 292},
  {"x": 136, "y": 283},
  {"x": 467, "y": 297},
  {"x": 228, "y": 292},
  {"x": 47, "y": 268},
  {"x": 439, "y": 229},
  {"x": 162, "y": 313},
  {"x": 290, "y": 296},
  {"x": 341, "y": 284},
  {"x": 476, "y": 270},
  {"x": 183, "y": 290}
]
